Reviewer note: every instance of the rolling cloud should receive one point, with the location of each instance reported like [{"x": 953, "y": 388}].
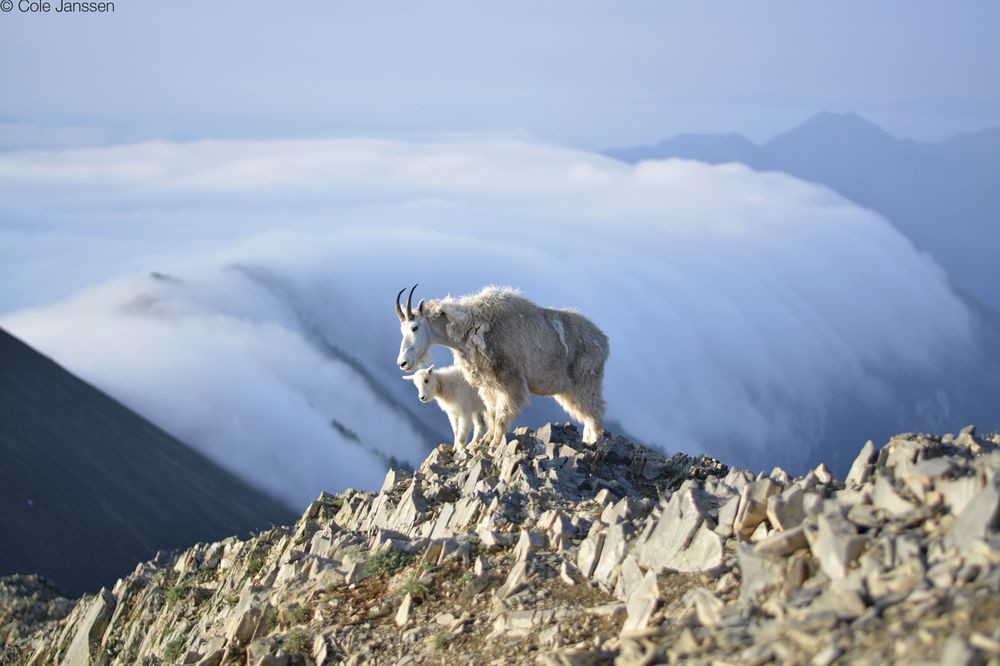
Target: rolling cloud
[{"x": 238, "y": 293}]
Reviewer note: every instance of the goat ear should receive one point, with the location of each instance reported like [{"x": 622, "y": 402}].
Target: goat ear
[
  {"x": 430, "y": 369},
  {"x": 420, "y": 307},
  {"x": 408, "y": 377}
]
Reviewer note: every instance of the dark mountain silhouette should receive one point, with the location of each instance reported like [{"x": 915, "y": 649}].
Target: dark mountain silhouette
[
  {"x": 942, "y": 195},
  {"x": 88, "y": 488}
]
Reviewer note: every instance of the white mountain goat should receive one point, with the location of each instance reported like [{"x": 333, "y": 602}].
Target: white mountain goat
[
  {"x": 508, "y": 347},
  {"x": 455, "y": 396}
]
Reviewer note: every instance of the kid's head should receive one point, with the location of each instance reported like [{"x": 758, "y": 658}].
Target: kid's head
[{"x": 426, "y": 382}]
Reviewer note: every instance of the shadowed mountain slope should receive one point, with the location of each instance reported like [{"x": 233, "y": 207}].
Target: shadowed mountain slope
[{"x": 88, "y": 487}]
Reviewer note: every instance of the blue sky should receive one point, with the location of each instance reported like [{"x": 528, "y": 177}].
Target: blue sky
[{"x": 587, "y": 74}]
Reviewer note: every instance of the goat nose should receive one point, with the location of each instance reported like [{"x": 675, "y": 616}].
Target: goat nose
[{"x": 403, "y": 364}]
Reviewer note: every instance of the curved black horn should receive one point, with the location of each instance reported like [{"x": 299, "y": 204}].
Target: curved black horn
[
  {"x": 409, "y": 303},
  {"x": 399, "y": 310}
]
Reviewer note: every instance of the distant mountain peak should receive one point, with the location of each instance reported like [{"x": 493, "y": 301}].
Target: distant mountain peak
[
  {"x": 833, "y": 126},
  {"x": 940, "y": 194}
]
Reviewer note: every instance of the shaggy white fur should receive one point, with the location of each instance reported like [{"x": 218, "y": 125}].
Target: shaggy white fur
[
  {"x": 455, "y": 396},
  {"x": 508, "y": 347}
]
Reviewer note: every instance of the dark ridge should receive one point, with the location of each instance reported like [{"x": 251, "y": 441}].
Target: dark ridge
[{"x": 88, "y": 488}]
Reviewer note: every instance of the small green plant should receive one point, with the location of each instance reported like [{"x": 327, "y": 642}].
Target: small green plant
[
  {"x": 175, "y": 594},
  {"x": 256, "y": 564},
  {"x": 270, "y": 619},
  {"x": 386, "y": 562},
  {"x": 414, "y": 587},
  {"x": 300, "y": 614},
  {"x": 441, "y": 641},
  {"x": 172, "y": 650},
  {"x": 492, "y": 471},
  {"x": 296, "y": 642},
  {"x": 231, "y": 599}
]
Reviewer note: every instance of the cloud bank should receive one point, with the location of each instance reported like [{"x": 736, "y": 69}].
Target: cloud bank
[{"x": 239, "y": 293}]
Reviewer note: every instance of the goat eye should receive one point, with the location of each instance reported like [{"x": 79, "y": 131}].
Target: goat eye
[
  {"x": 426, "y": 381},
  {"x": 415, "y": 327}
]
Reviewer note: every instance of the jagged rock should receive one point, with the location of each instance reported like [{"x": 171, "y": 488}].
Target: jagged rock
[
  {"x": 727, "y": 516},
  {"x": 515, "y": 579},
  {"x": 861, "y": 468},
  {"x": 750, "y": 515},
  {"x": 886, "y": 498},
  {"x": 246, "y": 618},
  {"x": 262, "y": 653},
  {"x": 394, "y": 476},
  {"x": 90, "y": 629},
  {"x": 957, "y": 652},
  {"x": 957, "y": 493},
  {"x": 759, "y": 572},
  {"x": 783, "y": 544},
  {"x": 403, "y": 614},
  {"x": 980, "y": 516},
  {"x": 680, "y": 538},
  {"x": 823, "y": 474},
  {"x": 836, "y": 544},
  {"x": 612, "y": 552},
  {"x": 730, "y": 567},
  {"x": 708, "y": 607},
  {"x": 530, "y": 540},
  {"x": 785, "y": 511},
  {"x": 845, "y": 604},
  {"x": 641, "y": 603},
  {"x": 412, "y": 506},
  {"x": 320, "y": 649},
  {"x": 590, "y": 553}
]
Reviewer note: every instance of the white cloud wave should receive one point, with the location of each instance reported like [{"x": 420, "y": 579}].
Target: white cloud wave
[{"x": 739, "y": 305}]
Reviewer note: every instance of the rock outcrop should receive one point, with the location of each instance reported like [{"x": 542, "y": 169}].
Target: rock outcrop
[{"x": 551, "y": 551}]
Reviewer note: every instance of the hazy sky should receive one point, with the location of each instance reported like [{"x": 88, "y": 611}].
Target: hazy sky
[{"x": 589, "y": 74}]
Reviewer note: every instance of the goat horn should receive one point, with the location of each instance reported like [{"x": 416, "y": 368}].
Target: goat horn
[
  {"x": 399, "y": 310},
  {"x": 409, "y": 303}
]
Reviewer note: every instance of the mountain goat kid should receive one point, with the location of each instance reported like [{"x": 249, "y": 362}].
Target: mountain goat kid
[
  {"x": 454, "y": 396},
  {"x": 508, "y": 347}
]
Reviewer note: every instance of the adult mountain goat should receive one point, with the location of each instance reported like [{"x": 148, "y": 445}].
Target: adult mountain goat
[{"x": 508, "y": 348}]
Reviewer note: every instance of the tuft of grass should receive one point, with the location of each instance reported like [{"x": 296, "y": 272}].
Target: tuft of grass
[
  {"x": 232, "y": 599},
  {"x": 386, "y": 562},
  {"x": 493, "y": 472},
  {"x": 301, "y": 614},
  {"x": 270, "y": 619},
  {"x": 296, "y": 643},
  {"x": 414, "y": 587},
  {"x": 172, "y": 650},
  {"x": 441, "y": 641},
  {"x": 256, "y": 564},
  {"x": 175, "y": 594}
]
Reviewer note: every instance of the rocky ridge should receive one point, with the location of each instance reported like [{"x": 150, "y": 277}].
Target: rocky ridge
[{"x": 552, "y": 551}]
